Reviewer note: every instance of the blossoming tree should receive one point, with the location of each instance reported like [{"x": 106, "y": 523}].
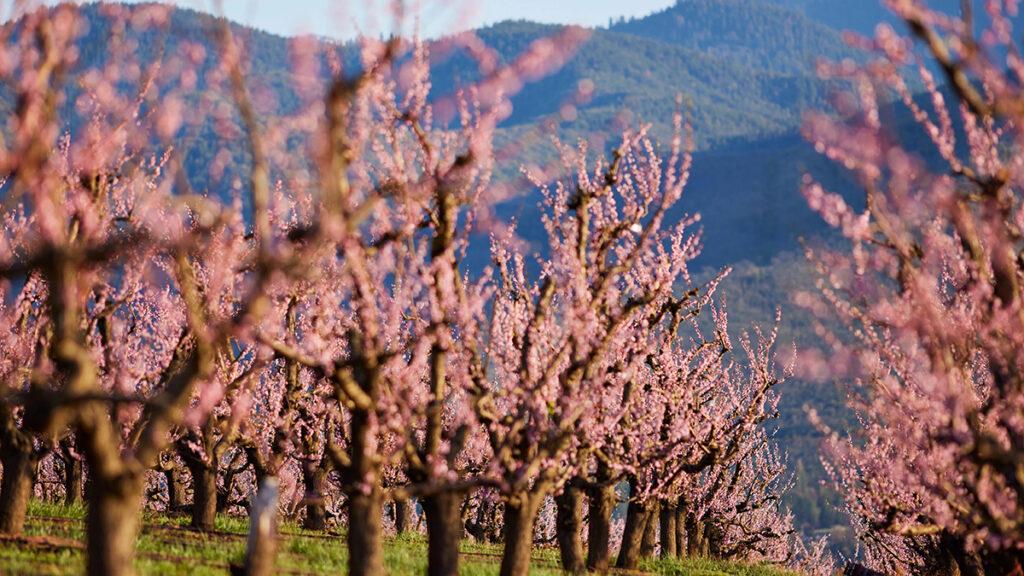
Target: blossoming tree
[
  {"x": 928, "y": 300},
  {"x": 318, "y": 324}
]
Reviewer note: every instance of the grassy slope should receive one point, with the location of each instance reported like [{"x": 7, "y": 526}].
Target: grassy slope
[{"x": 54, "y": 534}]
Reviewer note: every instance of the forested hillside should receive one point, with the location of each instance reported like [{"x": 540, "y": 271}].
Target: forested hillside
[
  {"x": 857, "y": 15},
  {"x": 743, "y": 110},
  {"x": 764, "y": 37}
]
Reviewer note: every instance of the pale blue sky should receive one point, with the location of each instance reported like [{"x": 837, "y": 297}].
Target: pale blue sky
[{"x": 340, "y": 18}]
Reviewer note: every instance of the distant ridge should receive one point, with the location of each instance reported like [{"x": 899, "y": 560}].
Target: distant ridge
[{"x": 767, "y": 37}]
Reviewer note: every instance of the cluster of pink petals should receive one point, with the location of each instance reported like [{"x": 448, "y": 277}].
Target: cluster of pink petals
[{"x": 924, "y": 315}]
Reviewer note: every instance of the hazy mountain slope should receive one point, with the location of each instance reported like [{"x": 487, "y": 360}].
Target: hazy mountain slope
[
  {"x": 861, "y": 15},
  {"x": 748, "y": 196},
  {"x": 733, "y": 94},
  {"x": 762, "y": 36},
  {"x": 746, "y": 116},
  {"x": 730, "y": 98}
]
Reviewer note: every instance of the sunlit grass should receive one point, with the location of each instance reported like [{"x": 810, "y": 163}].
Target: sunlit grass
[{"x": 168, "y": 546}]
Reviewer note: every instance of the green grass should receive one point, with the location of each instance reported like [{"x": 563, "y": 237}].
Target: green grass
[
  {"x": 54, "y": 535},
  {"x": 710, "y": 567}
]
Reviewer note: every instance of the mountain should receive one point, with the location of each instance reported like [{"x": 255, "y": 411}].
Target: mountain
[
  {"x": 637, "y": 69},
  {"x": 745, "y": 68},
  {"x": 863, "y": 16},
  {"x": 762, "y": 36},
  {"x": 748, "y": 196},
  {"x": 729, "y": 98}
]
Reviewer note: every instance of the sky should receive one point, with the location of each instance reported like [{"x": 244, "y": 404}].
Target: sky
[{"x": 341, "y": 19}]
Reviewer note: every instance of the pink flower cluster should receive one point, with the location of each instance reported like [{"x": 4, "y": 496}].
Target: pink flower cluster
[{"x": 923, "y": 316}]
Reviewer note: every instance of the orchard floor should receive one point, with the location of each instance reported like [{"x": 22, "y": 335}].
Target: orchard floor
[{"x": 52, "y": 544}]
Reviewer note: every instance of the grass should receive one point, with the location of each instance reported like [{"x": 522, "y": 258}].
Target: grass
[{"x": 53, "y": 546}]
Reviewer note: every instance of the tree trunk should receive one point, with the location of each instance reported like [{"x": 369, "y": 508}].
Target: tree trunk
[
  {"x": 238, "y": 464},
  {"x": 602, "y": 499},
  {"x": 175, "y": 490},
  {"x": 520, "y": 515},
  {"x": 484, "y": 526},
  {"x": 649, "y": 544},
  {"x": 316, "y": 516},
  {"x": 444, "y": 531},
  {"x": 961, "y": 562},
  {"x": 261, "y": 547},
  {"x": 568, "y": 525},
  {"x": 112, "y": 525},
  {"x": 697, "y": 545},
  {"x": 365, "y": 501},
  {"x": 667, "y": 530},
  {"x": 204, "y": 496},
  {"x": 362, "y": 477},
  {"x": 632, "y": 534},
  {"x": 681, "y": 529},
  {"x": 1006, "y": 561},
  {"x": 72, "y": 480},
  {"x": 365, "y": 539},
  {"x": 403, "y": 516},
  {"x": 15, "y": 488},
  {"x": 314, "y": 478},
  {"x": 494, "y": 522}
]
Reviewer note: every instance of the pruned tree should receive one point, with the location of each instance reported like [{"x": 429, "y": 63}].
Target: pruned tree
[
  {"x": 389, "y": 320},
  {"x": 132, "y": 332},
  {"x": 927, "y": 301}
]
